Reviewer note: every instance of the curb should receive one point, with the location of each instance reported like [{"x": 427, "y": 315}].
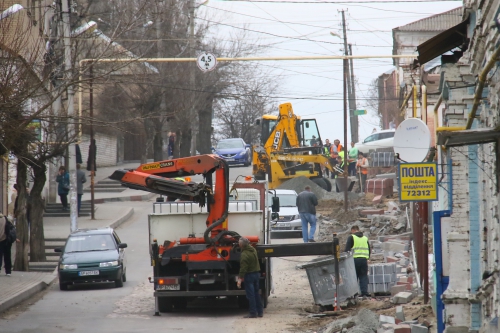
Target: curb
[
  {"x": 127, "y": 198},
  {"x": 28, "y": 292},
  {"x": 122, "y": 219}
]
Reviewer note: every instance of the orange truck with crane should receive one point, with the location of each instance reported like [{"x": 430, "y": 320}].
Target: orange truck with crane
[{"x": 193, "y": 243}]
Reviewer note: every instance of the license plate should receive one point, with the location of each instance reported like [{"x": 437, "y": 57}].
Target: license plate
[
  {"x": 86, "y": 273},
  {"x": 169, "y": 287},
  {"x": 230, "y": 159}
]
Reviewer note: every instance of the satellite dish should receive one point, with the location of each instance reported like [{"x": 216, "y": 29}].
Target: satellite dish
[{"x": 412, "y": 140}]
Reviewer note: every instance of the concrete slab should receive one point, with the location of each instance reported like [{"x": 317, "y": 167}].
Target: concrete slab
[
  {"x": 419, "y": 329},
  {"x": 400, "y": 313},
  {"x": 402, "y": 298}
]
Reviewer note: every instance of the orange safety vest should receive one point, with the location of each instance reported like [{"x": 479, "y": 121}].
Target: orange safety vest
[
  {"x": 335, "y": 150},
  {"x": 364, "y": 171}
]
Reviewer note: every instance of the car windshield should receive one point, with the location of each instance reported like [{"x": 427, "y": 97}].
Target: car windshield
[
  {"x": 89, "y": 243},
  {"x": 286, "y": 200},
  {"x": 228, "y": 144}
]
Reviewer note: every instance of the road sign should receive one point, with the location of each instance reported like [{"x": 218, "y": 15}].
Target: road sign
[
  {"x": 418, "y": 182},
  {"x": 359, "y": 112},
  {"x": 206, "y": 62}
]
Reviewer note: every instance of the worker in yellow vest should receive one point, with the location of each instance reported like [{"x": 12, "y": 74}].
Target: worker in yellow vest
[{"x": 360, "y": 247}]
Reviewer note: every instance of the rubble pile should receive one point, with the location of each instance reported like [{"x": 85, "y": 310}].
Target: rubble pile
[
  {"x": 297, "y": 184},
  {"x": 391, "y": 278}
]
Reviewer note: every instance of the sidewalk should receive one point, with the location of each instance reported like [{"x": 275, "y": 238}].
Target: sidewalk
[{"x": 21, "y": 286}]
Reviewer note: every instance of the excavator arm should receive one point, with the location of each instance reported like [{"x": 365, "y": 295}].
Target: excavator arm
[{"x": 159, "y": 177}]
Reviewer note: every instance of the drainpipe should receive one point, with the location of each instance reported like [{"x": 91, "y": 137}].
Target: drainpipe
[
  {"x": 424, "y": 104},
  {"x": 415, "y": 95},
  {"x": 436, "y": 120},
  {"x": 480, "y": 86}
]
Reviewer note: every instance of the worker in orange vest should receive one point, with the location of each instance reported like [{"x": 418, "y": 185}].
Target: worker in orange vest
[{"x": 362, "y": 167}]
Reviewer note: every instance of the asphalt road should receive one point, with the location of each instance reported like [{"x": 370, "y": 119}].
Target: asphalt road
[{"x": 104, "y": 308}]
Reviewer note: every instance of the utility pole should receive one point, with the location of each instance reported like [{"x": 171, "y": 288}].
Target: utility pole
[
  {"x": 194, "y": 113},
  {"x": 346, "y": 77},
  {"x": 350, "y": 78},
  {"x": 68, "y": 77},
  {"x": 353, "y": 107}
]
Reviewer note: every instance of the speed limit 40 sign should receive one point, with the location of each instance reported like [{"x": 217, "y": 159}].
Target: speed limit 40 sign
[{"x": 206, "y": 62}]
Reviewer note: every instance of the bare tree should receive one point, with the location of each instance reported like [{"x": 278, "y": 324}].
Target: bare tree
[{"x": 236, "y": 116}]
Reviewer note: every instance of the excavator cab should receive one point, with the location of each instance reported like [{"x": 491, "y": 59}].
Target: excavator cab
[{"x": 309, "y": 133}]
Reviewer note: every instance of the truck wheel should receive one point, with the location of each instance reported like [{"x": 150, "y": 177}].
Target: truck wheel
[
  {"x": 165, "y": 304},
  {"x": 328, "y": 184},
  {"x": 242, "y": 302},
  {"x": 321, "y": 183}
]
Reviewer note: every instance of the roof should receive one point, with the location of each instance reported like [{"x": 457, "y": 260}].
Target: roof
[
  {"x": 102, "y": 231},
  {"x": 282, "y": 191},
  {"x": 443, "y": 42},
  {"x": 438, "y": 22}
]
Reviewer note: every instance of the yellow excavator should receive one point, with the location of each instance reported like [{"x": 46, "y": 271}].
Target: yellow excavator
[{"x": 290, "y": 147}]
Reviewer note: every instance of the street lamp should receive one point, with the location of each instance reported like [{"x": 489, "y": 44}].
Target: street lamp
[{"x": 11, "y": 11}]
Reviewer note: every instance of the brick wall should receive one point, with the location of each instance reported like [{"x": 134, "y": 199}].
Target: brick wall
[{"x": 106, "y": 149}]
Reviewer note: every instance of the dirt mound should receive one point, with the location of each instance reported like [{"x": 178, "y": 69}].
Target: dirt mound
[{"x": 298, "y": 184}]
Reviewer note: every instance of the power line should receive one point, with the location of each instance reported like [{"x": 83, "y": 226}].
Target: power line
[{"x": 342, "y": 2}]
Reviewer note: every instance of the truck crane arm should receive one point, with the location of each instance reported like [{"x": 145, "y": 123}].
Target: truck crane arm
[{"x": 157, "y": 177}]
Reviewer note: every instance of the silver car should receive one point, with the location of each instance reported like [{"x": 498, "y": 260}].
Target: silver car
[{"x": 289, "y": 219}]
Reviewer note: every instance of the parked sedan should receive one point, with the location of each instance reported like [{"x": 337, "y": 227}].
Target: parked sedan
[
  {"x": 289, "y": 219},
  {"x": 234, "y": 151},
  {"x": 382, "y": 139},
  {"x": 90, "y": 256}
]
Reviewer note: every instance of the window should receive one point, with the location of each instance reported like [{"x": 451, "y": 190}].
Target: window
[
  {"x": 286, "y": 200},
  {"x": 229, "y": 144},
  {"x": 90, "y": 243},
  {"x": 386, "y": 135},
  {"x": 373, "y": 137}
]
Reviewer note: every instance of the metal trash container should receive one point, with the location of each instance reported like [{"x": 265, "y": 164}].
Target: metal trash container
[{"x": 321, "y": 274}]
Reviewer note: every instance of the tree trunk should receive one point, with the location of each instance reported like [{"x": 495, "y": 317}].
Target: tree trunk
[
  {"x": 37, "y": 237},
  {"x": 185, "y": 144},
  {"x": 21, "y": 262},
  {"x": 177, "y": 144},
  {"x": 204, "y": 139},
  {"x": 158, "y": 142}
]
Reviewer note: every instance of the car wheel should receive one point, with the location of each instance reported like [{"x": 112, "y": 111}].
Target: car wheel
[
  {"x": 63, "y": 286},
  {"x": 165, "y": 304},
  {"x": 124, "y": 278},
  {"x": 321, "y": 183},
  {"x": 119, "y": 282},
  {"x": 248, "y": 161}
]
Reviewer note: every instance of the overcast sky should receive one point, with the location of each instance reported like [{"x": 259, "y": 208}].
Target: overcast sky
[{"x": 304, "y": 29}]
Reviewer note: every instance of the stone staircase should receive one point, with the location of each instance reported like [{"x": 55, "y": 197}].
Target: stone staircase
[
  {"x": 55, "y": 210},
  {"x": 51, "y": 256},
  {"x": 106, "y": 185}
]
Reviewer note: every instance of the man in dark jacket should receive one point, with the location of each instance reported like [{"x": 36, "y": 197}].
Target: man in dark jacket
[
  {"x": 361, "y": 252},
  {"x": 306, "y": 204},
  {"x": 249, "y": 273}
]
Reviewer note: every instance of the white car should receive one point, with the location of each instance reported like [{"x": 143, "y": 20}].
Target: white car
[
  {"x": 382, "y": 139},
  {"x": 289, "y": 219}
]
